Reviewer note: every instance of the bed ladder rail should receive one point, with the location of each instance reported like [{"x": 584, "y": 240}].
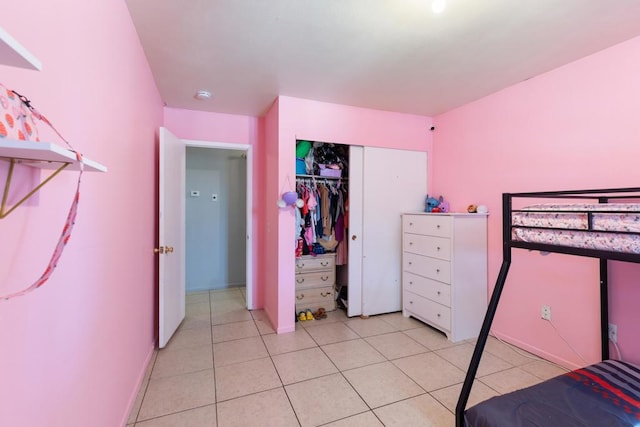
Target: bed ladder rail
[{"x": 482, "y": 340}]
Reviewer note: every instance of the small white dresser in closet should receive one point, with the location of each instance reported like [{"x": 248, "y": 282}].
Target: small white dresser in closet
[
  {"x": 444, "y": 271},
  {"x": 316, "y": 282}
]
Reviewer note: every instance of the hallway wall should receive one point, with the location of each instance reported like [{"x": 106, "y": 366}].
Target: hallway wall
[{"x": 215, "y": 230}]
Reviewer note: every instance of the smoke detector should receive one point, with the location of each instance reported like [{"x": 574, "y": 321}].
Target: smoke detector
[{"x": 202, "y": 95}]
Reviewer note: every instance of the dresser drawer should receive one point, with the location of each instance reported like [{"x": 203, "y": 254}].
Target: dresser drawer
[
  {"x": 432, "y": 268},
  {"x": 433, "y": 225},
  {"x": 315, "y": 296},
  {"x": 315, "y": 279},
  {"x": 432, "y": 289},
  {"x": 437, "y": 247},
  {"x": 431, "y": 312},
  {"x": 311, "y": 263}
]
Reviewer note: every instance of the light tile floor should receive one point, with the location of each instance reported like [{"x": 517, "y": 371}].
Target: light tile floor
[{"x": 225, "y": 366}]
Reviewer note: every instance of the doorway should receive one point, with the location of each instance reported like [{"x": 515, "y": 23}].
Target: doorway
[{"x": 218, "y": 217}]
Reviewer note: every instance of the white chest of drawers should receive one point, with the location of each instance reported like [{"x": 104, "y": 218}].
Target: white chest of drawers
[
  {"x": 444, "y": 271},
  {"x": 315, "y": 282}
]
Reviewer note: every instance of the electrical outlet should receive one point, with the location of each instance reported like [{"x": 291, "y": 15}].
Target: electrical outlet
[
  {"x": 546, "y": 312},
  {"x": 613, "y": 332}
]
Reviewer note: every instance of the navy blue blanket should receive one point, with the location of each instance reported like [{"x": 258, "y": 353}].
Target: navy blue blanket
[{"x": 604, "y": 394}]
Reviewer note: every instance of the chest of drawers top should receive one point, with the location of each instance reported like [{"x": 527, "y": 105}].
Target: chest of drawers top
[
  {"x": 434, "y": 224},
  {"x": 431, "y": 225}
]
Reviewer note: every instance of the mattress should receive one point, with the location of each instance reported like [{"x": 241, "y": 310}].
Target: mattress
[
  {"x": 603, "y": 394},
  {"x": 568, "y": 225}
]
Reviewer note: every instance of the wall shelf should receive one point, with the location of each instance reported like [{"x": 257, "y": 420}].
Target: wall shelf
[
  {"x": 44, "y": 155},
  {"x": 14, "y": 54},
  {"x": 41, "y": 155}
]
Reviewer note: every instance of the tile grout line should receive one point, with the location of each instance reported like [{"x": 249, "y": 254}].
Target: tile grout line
[{"x": 359, "y": 336}]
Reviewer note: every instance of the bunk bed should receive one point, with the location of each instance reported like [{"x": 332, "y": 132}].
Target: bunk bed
[{"x": 602, "y": 224}]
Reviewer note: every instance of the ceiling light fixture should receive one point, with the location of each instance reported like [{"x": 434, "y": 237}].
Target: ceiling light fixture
[
  {"x": 202, "y": 95},
  {"x": 438, "y": 6}
]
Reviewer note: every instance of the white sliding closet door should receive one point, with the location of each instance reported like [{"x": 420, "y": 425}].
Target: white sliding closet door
[{"x": 392, "y": 182}]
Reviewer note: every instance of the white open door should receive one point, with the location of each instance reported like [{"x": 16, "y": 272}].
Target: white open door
[{"x": 171, "y": 235}]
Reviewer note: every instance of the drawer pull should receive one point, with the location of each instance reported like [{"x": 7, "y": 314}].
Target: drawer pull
[
  {"x": 438, "y": 292},
  {"x": 324, "y": 263},
  {"x": 300, "y": 297},
  {"x": 410, "y": 282},
  {"x": 300, "y": 280},
  {"x": 300, "y": 265},
  {"x": 410, "y": 263},
  {"x": 324, "y": 278},
  {"x": 438, "y": 248},
  {"x": 325, "y": 294},
  {"x": 438, "y": 314},
  {"x": 410, "y": 243},
  {"x": 410, "y": 224},
  {"x": 438, "y": 226},
  {"x": 437, "y": 271},
  {"x": 410, "y": 302}
]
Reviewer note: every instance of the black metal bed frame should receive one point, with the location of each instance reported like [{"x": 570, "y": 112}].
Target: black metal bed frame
[{"x": 602, "y": 196}]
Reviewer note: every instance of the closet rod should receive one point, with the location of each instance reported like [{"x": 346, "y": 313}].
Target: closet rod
[{"x": 320, "y": 177}]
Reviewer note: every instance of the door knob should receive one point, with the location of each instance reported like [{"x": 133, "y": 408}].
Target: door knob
[
  {"x": 354, "y": 237},
  {"x": 163, "y": 250}
]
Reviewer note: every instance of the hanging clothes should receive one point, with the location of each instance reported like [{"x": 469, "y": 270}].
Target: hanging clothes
[
  {"x": 326, "y": 210},
  {"x": 320, "y": 220},
  {"x": 341, "y": 232}
]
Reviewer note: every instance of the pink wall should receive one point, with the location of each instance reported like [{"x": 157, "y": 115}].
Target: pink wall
[
  {"x": 269, "y": 249},
  {"x": 575, "y": 127},
  {"x": 214, "y": 127},
  {"x": 74, "y": 351},
  {"x": 320, "y": 121}
]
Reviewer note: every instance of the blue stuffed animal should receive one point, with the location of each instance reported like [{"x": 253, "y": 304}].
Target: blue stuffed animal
[
  {"x": 436, "y": 205},
  {"x": 430, "y": 203}
]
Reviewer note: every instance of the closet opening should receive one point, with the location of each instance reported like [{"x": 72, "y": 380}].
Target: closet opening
[
  {"x": 322, "y": 228},
  {"x": 348, "y": 225}
]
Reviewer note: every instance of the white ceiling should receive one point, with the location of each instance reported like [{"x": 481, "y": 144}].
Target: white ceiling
[{"x": 392, "y": 55}]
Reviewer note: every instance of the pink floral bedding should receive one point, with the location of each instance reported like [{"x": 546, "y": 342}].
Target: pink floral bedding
[{"x": 571, "y": 220}]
